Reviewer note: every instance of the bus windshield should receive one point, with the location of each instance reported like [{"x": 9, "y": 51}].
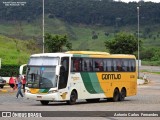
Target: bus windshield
[{"x": 41, "y": 77}]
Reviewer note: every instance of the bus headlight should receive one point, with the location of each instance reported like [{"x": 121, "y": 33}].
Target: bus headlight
[
  {"x": 27, "y": 91},
  {"x": 52, "y": 91}
]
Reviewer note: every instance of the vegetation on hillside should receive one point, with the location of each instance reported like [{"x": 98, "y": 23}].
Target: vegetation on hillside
[
  {"x": 82, "y": 37},
  {"x": 56, "y": 43},
  {"x": 90, "y": 12},
  {"x": 16, "y": 52},
  {"x": 122, "y": 44},
  {"x": 86, "y": 23}
]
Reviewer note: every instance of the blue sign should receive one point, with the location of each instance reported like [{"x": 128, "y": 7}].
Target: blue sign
[{"x": 42, "y": 68}]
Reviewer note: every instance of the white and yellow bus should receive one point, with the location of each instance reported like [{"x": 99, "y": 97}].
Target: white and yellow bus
[{"x": 76, "y": 75}]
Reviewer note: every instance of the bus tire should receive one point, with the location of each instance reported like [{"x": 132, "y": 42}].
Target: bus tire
[
  {"x": 73, "y": 98},
  {"x": 122, "y": 94},
  {"x": 109, "y": 99},
  {"x": 44, "y": 102},
  {"x": 93, "y": 100},
  {"x": 115, "y": 95}
]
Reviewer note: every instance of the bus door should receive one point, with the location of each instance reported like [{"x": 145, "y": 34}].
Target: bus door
[{"x": 64, "y": 69}]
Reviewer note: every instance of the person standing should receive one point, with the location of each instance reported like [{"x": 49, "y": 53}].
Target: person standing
[
  {"x": 24, "y": 83},
  {"x": 12, "y": 82},
  {"x": 19, "y": 87},
  {"x": 16, "y": 82}
]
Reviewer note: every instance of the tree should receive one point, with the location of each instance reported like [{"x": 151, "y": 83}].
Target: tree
[
  {"x": 123, "y": 43},
  {"x": 56, "y": 43}
]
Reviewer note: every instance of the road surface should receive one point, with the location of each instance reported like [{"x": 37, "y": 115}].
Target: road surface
[{"x": 147, "y": 99}]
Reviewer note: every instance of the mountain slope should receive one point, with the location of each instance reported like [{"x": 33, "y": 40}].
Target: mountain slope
[{"x": 14, "y": 51}]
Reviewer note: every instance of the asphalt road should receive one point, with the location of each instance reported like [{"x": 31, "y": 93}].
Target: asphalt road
[
  {"x": 150, "y": 68},
  {"x": 147, "y": 99}
]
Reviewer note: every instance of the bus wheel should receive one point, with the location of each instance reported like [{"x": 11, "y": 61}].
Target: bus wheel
[
  {"x": 73, "y": 98},
  {"x": 115, "y": 95},
  {"x": 110, "y": 99},
  {"x": 92, "y": 100},
  {"x": 122, "y": 95},
  {"x": 44, "y": 102}
]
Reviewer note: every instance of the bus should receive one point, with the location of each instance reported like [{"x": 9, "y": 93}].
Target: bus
[{"x": 76, "y": 75}]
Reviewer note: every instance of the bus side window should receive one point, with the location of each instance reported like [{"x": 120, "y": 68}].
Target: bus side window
[
  {"x": 90, "y": 65},
  {"x": 98, "y": 65},
  {"x": 72, "y": 64},
  {"x": 124, "y": 65},
  {"x": 119, "y": 65},
  {"x": 101, "y": 68},
  {"x": 114, "y": 65},
  {"x": 131, "y": 65},
  {"x": 84, "y": 65},
  {"x": 76, "y": 65},
  {"x": 109, "y": 65},
  {"x": 95, "y": 65},
  {"x": 105, "y": 65},
  {"x": 128, "y": 65},
  {"x": 87, "y": 64}
]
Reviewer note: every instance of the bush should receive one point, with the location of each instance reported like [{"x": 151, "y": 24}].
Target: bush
[
  {"x": 9, "y": 70},
  {"x": 150, "y": 54}
]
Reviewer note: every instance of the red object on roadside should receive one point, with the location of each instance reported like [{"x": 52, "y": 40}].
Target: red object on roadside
[
  {"x": 24, "y": 80},
  {"x": 11, "y": 80}
]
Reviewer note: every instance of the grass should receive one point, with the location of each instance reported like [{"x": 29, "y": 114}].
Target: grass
[
  {"x": 148, "y": 71},
  {"x": 79, "y": 35},
  {"x": 152, "y": 63},
  {"x": 10, "y": 53},
  {"x": 156, "y": 72}
]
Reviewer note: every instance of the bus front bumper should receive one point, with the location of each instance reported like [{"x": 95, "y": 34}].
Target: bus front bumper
[{"x": 41, "y": 97}]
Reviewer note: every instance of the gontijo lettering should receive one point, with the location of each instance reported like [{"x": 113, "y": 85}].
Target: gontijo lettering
[{"x": 111, "y": 76}]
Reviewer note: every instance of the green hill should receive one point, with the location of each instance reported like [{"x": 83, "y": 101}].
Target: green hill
[
  {"x": 83, "y": 37},
  {"x": 14, "y": 51},
  {"x": 80, "y": 35}
]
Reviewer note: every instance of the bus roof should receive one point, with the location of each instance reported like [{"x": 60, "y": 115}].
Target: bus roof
[
  {"x": 100, "y": 54},
  {"x": 88, "y": 52},
  {"x": 50, "y": 55},
  {"x": 84, "y": 54}
]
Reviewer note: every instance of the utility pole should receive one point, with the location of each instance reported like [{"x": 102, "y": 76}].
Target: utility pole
[
  {"x": 43, "y": 26},
  {"x": 138, "y": 37}
]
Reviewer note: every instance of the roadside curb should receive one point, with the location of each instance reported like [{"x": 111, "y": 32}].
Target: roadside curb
[
  {"x": 6, "y": 89},
  {"x": 3, "y": 90},
  {"x": 142, "y": 82}
]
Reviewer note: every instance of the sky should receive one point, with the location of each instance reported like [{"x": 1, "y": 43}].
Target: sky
[{"x": 157, "y": 1}]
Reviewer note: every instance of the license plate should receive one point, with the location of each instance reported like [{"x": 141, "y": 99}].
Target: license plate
[{"x": 39, "y": 97}]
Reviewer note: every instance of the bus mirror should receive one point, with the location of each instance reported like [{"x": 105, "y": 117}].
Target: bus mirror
[
  {"x": 21, "y": 69},
  {"x": 57, "y": 69}
]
